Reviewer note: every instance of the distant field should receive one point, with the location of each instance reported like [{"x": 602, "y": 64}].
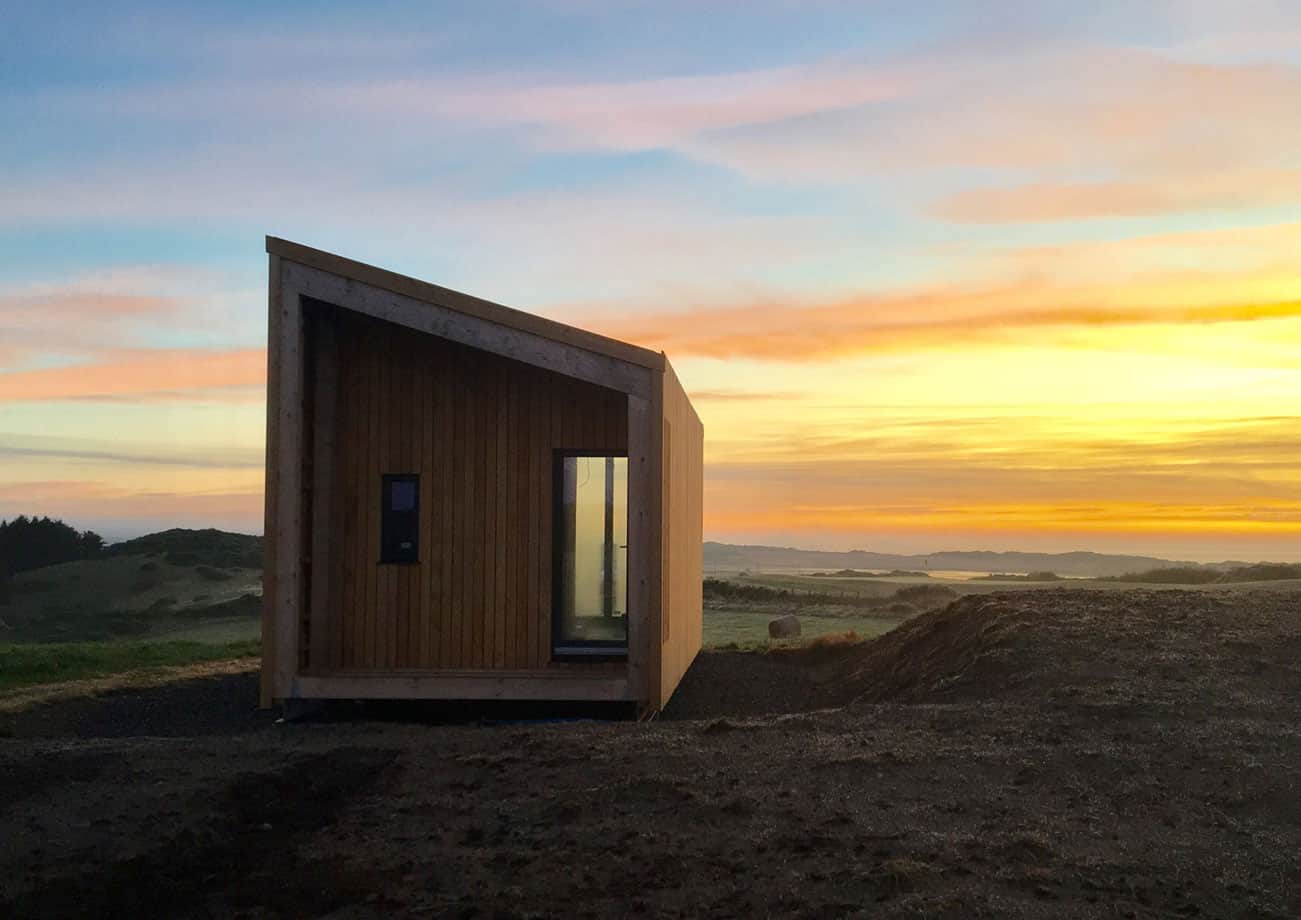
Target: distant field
[
  {"x": 750, "y": 627},
  {"x": 882, "y": 587},
  {"x": 862, "y": 587},
  {"x": 813, "y": 598}
]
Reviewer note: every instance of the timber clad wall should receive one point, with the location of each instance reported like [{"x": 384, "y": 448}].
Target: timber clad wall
[
  {"x": 682, "y": 501},
  {"x": 371, "y": 374},
  {"x": 480, "y": 431}
]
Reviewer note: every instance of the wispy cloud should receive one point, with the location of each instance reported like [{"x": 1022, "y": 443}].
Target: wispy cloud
[
  {"x": 94, "y": 451},
  {"x": 144, "y": 373},
  {"x": 868, "y": 324},
  {"x": 1087, "y": 109},
  {"x": 726, "y": 396},
  {"x": 109, "y": 313},
  {"x": 1086, "y": 200}
]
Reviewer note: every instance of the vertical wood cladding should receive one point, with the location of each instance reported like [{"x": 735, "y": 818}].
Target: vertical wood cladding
[
  {"x": 479, "y": 430},
  {"x": 681, "y": 522}
]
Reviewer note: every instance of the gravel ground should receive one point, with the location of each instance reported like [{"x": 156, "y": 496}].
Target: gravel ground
[{"x": 1047, "y": 754}]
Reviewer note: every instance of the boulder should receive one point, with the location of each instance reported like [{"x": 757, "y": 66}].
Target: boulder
[{"x": 787, "y": 627}]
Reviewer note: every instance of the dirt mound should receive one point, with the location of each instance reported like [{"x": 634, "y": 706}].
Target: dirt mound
[{"x": 1090, "y": 646}]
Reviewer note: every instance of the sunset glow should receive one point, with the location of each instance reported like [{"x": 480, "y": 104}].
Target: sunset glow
[{"x": 1023, "y": 280}]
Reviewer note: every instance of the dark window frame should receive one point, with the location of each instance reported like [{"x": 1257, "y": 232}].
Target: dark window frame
[
  {"x": 568, "y": 649},
  {"x": 388, "y": 554}
]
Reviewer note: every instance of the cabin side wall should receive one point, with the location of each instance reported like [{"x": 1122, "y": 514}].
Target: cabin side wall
[
  {"x": 682, "y": 532},
  {"x": 480, "y": 431}
]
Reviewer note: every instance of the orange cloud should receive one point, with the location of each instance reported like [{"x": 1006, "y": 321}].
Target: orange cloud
[
  {"x": 740, "y": 395},
  {"x": 944, "y": 475},
  {"x": 70, "y": 320},
  {"x": 866, "y": 325},
  {"x": 144, "y": 373}
]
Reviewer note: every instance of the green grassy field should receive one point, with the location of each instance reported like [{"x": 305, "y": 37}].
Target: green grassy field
[
  {"x": 31, "y": 664},
  {"x": 127, "y": 597},
  {"x": 169, "y": 600}
]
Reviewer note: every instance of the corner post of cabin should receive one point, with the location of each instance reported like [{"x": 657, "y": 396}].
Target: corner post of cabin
[
  {"x": 267, "y": 685},
  {"x": 288, "y": 533},
  {"x": 643, "y": 544},
  {"x": 655, "y": 551}
]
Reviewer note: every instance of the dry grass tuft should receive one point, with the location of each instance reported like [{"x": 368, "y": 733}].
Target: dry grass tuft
[{"x": 830, "y": 642}]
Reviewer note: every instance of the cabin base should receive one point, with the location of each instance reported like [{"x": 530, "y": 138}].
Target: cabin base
[{"x": 392, "y": 685}]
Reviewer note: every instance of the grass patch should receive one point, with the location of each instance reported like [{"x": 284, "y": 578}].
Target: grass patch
[
  {"x": 33, "y": 664},
  {"x": 749, "y": 629},
  {"x": 727, "y": 592},
  {"x": 1186, "y": 575}
]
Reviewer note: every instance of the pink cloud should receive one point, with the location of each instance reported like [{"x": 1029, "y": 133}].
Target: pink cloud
[
  {"x": 1153, "y": 126},
  {"x": 70, "y": 320},
  {"x": 643, "y": 114},
  {"x": 142, "y": 372},
  {"x": 102, "y": 315}
]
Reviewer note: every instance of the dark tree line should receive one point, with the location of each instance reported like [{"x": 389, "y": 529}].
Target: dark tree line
[{"x": 30, "y": 542}]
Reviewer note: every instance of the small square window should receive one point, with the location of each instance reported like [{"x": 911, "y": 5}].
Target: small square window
[
  {"x": 402, "y": 495},
  {"x": 400, "y": 519}
]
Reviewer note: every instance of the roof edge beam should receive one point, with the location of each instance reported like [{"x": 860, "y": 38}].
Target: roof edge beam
[
  {"x": 426, "y": 292},
  {"x": 457, "y": 326}
]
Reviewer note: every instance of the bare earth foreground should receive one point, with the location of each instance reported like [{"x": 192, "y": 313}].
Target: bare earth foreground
[{"x": 1048, "y": 754}]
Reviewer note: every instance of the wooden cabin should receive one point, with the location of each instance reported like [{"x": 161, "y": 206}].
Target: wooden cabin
[{"x": 469, "y": 502}]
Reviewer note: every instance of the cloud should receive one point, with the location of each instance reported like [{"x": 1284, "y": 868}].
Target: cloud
[
  {"x": 648, "y": 114},
  {"x": 1028, "y": 475},
  {"x": 1082, "y": 201},
  {"x": 27, "y": 448},
  {"x": 869, "y": 324},
  {"x": 141, "y": 373},
  {"x": 106, "y": 313},
  {"x": 568, "y": 112},
  {"x": 1040, "y": 108},
  {"x": 726, "y": 396},
  {"x": 234, "y": 394},
  {"x": 73, "y": 321}
]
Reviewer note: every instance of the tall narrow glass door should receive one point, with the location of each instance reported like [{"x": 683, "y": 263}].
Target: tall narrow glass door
[{"x": 591, "y": 586}]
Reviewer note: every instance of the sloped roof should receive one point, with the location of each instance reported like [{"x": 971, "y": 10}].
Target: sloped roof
[{"x": 464, "y": 303}]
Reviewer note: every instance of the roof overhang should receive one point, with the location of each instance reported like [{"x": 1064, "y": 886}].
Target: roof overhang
[{"x": 465, "y": 304}]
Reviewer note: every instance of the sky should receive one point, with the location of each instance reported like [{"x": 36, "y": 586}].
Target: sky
[{"x": 937, "y": 275}]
